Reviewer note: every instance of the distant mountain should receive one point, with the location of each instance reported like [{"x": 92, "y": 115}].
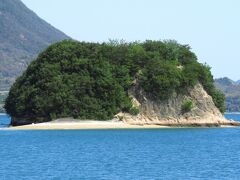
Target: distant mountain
[
  {"x": 22, "y": 36},
  {"x": 238, "y": 82},
  {"x": 231, "y": 89}
]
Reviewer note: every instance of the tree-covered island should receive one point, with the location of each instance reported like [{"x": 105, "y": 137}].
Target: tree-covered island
[{"x": 92, "y": 80}]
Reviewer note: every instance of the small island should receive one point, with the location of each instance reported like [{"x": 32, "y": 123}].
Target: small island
[{"x": 151, "y": 83}]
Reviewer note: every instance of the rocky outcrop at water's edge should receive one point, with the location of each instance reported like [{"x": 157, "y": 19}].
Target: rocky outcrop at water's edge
[{"x": 169, "y": 112}]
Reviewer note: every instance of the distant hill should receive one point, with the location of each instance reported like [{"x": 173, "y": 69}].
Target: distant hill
[
  {"x": 3, "y": 95},
  {"x": 231, "y": 89},
  {"x": 22, "y": 36}
]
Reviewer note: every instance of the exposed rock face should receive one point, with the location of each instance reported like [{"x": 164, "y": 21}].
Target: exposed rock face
[{"x": 169, "y": 112}]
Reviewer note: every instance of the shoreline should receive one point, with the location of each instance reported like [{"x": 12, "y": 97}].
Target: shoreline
[
  {"x": 84, "y": 125},
  {"x": 232, "y": 113},
  {"x": 111, "y": 125}
]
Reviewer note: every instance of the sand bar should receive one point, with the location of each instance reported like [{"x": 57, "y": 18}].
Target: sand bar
[
  {"x": 56, "y": 125},
  {"x": 83, "y": 125}
]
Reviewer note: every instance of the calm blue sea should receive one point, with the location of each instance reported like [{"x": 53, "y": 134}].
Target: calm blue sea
[
  {"x": 191, "y": 153},
  {"x": 234, "y": 116},
  {"x": 4, "y": 120}
]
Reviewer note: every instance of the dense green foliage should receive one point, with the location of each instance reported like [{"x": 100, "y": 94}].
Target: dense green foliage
[
  {"x": 187, "y": 106},
  {"x": 91, "y": 80},
  {"x": 134, "y": 111}
]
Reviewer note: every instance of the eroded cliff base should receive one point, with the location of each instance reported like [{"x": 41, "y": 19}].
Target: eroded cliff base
[{"x": 204, "y": 113}]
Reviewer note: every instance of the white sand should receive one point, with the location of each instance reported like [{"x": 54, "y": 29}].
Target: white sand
[{"x": 83, "y": 125}]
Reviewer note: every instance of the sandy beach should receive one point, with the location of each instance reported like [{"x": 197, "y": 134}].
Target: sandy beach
[
  {"x": 83, "y": 125},
  {"x": 74, "y": 125}
]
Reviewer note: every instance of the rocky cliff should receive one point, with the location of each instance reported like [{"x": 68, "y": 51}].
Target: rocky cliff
[{"x": 169, "y": 112}]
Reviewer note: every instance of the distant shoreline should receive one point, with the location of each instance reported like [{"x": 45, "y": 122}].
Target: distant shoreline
[
  {"x": 232, "y": 113},
  {"x": 3, "y": 114}
]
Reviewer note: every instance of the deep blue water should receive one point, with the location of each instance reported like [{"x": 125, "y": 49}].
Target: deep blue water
[
  {"x": 191, "y": 153},
  {"x": 4, "y": 120},
  {"x": 235, "y": 116}
]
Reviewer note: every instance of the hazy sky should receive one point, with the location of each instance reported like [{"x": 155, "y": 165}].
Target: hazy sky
[{"x": 210, "y": 27}]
